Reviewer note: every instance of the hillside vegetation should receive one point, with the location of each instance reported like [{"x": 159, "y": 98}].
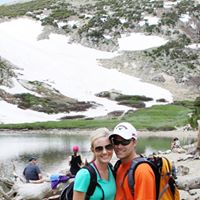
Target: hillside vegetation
[
  {"x": 99, "y": 24},
  {"x": 168, "y": 117}
]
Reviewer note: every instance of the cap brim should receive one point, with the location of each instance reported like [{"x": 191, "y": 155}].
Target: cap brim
[{"x": 124, "y": 137}]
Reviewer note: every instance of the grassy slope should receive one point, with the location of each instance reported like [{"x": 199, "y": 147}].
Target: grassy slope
[{"x": 160, "y": 117}]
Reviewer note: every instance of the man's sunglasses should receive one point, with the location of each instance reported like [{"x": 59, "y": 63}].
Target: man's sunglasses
[
  {"x": 108, "y": 147},
  {"x": 122, "y": 142}
]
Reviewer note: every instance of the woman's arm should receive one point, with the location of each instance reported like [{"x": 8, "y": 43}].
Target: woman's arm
[
  {"x": 78, "y": 195},
  {"x": 81, "y": 184}
]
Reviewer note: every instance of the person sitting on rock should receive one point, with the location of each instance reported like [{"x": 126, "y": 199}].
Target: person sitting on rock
[
  {"x": 175, "y": 143},
  {"x": 32, "y": 172},
  {"x": 176, "y": 146}
]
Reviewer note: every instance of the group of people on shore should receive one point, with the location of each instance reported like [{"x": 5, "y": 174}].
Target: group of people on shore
[{"x": 122, "y": 140}]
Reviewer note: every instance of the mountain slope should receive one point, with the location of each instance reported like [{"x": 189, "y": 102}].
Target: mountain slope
[{"x": 100, "y": 25}]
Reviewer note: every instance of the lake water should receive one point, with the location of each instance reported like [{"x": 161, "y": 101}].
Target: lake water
[{"x": 53, "y": 151}]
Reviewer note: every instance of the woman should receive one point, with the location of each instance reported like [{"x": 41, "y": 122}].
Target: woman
[
  {"x": 102, "y": 150},
  {"x": 75, "y": 162}
]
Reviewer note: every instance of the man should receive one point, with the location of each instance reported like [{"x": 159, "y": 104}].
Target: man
[
  {"x": 124, "y": 139},
  {"x": 32, "y": 172}
]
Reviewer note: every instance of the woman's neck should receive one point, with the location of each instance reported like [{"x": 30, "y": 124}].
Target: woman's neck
[
  {"x": 102, "y": 169},
  {"x": 100, "y": 165}
]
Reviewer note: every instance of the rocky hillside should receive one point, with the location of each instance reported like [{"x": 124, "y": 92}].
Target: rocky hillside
[{"x": 99, "y": 24}]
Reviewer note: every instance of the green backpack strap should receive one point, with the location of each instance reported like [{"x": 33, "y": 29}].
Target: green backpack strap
[{"x": 93, "y": 182}]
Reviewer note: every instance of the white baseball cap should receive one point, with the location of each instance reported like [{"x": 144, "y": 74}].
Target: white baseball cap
[{"x": 125, "y": 130}]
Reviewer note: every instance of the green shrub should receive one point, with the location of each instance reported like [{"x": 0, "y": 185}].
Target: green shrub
[
  {"x": 133, "y": 98},
  {"x": 21, "y": 9},
  {"x": 196, "y": 114}
]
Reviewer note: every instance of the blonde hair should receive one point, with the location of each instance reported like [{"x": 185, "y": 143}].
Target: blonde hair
[{"x": 98, "y": 133}]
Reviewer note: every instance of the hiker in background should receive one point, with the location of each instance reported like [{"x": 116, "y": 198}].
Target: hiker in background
[
  {"x": 176, "y": 146},
  {"x": 32, "y": 172},
  {"x": 124, "y": 139},
  {"x": 75, "y": 162},
  {"x": 175, "y": 143},
  {"x": 102, "y": 150}
]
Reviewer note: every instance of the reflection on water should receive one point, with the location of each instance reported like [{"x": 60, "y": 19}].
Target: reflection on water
[
  {"x": 53, "y": 151},
  {"x": 152, "y": 144},
  {"x": 22, "y": 145}
]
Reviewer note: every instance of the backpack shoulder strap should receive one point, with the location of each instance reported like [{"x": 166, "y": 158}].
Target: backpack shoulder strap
[
  {"x": 134, "y": 165},
  {"x": 131, "y": 171},
  {"x": 116, "y": 166},
  {"x": 170, "y": 172},
  {"x": 112, "y": 169},
  {"x": 93, "y": 182}
]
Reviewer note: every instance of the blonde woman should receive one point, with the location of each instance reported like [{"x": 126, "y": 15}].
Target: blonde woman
[{"x": 102, "y": 150}]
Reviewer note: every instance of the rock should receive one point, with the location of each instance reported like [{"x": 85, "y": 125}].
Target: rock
[
  {"x": 182, "y": 170},
  {"x": 116, "y": 113},
  {"x": 158, "y": 78},
  {"x": 73, "y": 117}
]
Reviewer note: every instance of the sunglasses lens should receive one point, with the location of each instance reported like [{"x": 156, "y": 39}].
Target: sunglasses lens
[
  {"x": 126, "y": 142},
  {"x": 108, "y": 147},
  {"x": 115, "y": 142},
  {"x": 122, "y": 142},
  {"x": 99, "y": 149}
]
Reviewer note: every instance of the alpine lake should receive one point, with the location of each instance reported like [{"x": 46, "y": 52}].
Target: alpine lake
[{"x": 54, "y": 150}]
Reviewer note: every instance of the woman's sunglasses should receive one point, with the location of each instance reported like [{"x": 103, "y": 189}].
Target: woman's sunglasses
[
  {"x": 122, "y": 142},
  {"x": 99, "y": 149}
]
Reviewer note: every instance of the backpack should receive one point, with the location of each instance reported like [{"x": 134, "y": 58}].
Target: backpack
[
  {"x": 67, "y": 192},
  {"x": 165, "y": 175}
]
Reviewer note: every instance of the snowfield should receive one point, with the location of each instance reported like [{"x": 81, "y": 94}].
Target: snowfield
[{"x": 72, "y": 69}]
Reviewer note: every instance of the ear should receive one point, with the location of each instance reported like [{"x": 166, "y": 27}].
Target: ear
[{"x": 134, "y": 142}]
